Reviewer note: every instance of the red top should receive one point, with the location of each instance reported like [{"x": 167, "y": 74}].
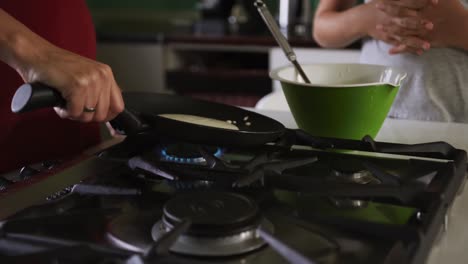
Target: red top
[{"x": 42, "y": 135}]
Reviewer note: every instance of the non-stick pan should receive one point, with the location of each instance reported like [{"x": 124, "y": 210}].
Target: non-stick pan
[{"x": 142, "y": 110}]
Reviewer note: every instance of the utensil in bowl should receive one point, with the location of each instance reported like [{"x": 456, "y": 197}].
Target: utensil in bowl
[
  {"x": 280, "y": 39},
  {"x": 346, "y": 101}
]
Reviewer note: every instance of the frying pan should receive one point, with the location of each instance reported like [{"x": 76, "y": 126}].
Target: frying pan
[
  {"x": 141, "y": 118},
  {"x": 142, "y": 110}
]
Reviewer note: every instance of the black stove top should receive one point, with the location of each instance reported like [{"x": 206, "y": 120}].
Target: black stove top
[{"x": 299, "y": 200}]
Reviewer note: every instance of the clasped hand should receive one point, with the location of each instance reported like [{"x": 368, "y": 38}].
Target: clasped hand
[{"x": 403, "y": 24}]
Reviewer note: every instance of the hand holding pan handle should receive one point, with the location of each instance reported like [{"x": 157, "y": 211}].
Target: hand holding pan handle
[{"x": 33, "y": 96}]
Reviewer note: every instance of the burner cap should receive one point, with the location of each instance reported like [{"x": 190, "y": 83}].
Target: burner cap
[
  {"x": 360, "y": 177},
  {"x": 212, "y": 213},
  {"x": 352, "y": 171}
]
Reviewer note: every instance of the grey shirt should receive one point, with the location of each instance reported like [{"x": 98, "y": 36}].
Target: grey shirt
[{"x": 437, "y": 85}]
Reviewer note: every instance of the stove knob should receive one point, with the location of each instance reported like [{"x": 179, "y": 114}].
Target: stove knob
[
  {"x": 417, "y": 218},
  {"x": 4, "y": 183},
  {"x": 50, "y": 164},
  {"x": 27, "y": 172}
]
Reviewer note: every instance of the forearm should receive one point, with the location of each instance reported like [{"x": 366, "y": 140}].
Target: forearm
[
  {"x": 17, "y": 42},
  {"x": 335, "y": 29}
]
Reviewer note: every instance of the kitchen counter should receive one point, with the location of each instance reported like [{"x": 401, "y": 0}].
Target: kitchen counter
[{"x": 451, "y": 247}]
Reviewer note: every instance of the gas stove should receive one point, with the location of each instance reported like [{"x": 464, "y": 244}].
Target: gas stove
[{"x": 301, "y": 199}]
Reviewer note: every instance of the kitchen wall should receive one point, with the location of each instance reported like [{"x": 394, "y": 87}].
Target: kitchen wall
[{"x": 134, "y": 38}]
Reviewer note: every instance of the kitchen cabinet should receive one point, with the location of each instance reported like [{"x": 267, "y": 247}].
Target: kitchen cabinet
[
  {"x": 232, "y": 70},
  {"x": 229, "y": 69},
  {"x": 228, "y": 73}
]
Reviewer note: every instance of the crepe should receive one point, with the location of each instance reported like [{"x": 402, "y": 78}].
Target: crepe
[{"x": 203, "y": 121}]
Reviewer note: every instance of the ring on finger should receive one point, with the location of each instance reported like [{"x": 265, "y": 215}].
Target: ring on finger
[{"x": 89, "y": 109}]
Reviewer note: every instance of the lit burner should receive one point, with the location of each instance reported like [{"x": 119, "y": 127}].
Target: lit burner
[{"x": 187, "y": 153}]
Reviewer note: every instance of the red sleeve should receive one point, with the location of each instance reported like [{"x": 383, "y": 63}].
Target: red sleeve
[{"x": 42, "y": 135}]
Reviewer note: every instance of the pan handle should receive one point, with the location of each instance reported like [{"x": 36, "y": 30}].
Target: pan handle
[{"x": 33, "y": 96}]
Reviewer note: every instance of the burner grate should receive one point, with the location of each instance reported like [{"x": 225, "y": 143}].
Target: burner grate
[{"x": 227, "y": 207}]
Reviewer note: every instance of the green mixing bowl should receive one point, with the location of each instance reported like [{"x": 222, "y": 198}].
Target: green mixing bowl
[{"x": 343, "y": 100}]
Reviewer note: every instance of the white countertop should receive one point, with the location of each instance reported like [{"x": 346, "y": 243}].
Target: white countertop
[{"x": 451, "y": 248}]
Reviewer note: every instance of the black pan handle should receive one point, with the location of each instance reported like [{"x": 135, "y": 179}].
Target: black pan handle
[
  {"x": 33, "y": 96},
  {"x": 129, "y": 123}
]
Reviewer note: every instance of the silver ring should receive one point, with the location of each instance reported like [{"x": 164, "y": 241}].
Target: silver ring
[{"x": 89, "y": 109}]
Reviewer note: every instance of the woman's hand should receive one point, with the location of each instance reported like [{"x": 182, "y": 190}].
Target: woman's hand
[
  {"x": 405, "y": 25},
  {"x": 88, "y": 86}
]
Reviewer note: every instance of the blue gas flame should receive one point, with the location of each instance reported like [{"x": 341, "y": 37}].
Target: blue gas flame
[{"x": 197, "y": 160}]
